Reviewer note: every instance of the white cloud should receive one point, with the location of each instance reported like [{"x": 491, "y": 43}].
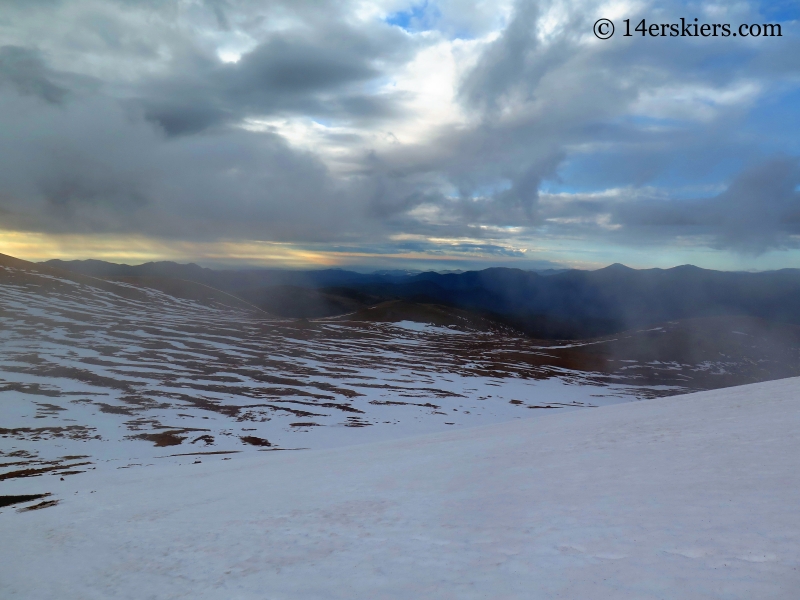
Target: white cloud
[{"x": 696, "y": 102}]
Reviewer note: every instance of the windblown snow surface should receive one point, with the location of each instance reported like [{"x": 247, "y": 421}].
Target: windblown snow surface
[{"x": 692, "y": 496}]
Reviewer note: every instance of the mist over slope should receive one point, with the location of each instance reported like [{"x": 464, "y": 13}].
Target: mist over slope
[
  {"x": 107, "y": 374},
  {"x": 140, "y": 369},
  {"x": 572, "y": 304}
]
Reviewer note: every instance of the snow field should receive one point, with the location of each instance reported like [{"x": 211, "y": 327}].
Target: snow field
[{"x": 691, "y": 496}]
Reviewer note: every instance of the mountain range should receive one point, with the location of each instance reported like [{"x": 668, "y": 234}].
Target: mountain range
[{"x": 572, "y": 304}]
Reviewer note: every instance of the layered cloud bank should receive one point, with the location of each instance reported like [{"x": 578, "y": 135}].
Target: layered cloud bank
[{"x": 376, "y": 131}]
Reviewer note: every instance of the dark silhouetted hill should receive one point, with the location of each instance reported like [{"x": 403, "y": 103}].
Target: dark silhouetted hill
[{"x": 564, "y": 305}]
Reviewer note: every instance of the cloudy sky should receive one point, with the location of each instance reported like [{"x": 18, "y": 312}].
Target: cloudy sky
[{"x": 398, "y": 134}]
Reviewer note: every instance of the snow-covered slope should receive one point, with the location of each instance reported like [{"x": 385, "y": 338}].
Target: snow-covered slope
[
  {"x": 692, "y": 496},
  {"x": 97, "y": 374}
]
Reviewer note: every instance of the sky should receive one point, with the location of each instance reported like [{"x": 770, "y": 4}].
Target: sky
[{"x": 444, "y": 134}]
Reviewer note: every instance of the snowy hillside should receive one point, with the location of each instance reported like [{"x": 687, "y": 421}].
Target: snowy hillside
[
  {"x": 692, "y": 496},
  {"x": 95, "y": 374}
]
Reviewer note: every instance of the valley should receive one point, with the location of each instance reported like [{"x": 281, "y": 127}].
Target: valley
[{"x": 112, "y": 374}]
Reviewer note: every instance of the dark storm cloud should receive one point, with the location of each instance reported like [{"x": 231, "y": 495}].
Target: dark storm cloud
[
  {"x": 134, "y": 125},
  {"x": 759, "y": 211},
  {"x": 539, "y": 101},
  {"x": 534, "y": 100},
  {"x": 100, "y": 169},
  {"x": 317, "y": 72},
  {"x": 24, "y": 69},
  {"x": 98, "y": 164},
  {"x": 293, "y": 65}
]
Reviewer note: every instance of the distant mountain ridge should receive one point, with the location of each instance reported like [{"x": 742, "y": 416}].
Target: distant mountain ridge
[
  {"x": 229, "y": 280},
  {"x": 577, "y": 303},
  {"x": 568, "y": 305}
]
